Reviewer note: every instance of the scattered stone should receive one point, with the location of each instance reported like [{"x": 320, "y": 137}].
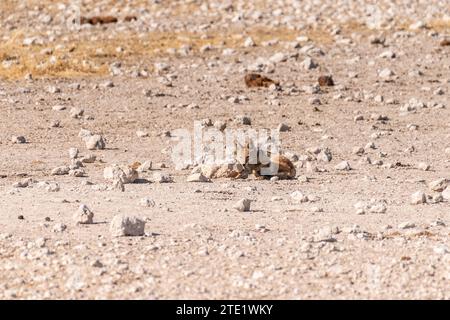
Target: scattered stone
[
  {"x": 126, "y": 225},
  {"x": 418, "y": 25},
  {"x": 387, "y": 54},
  {"x": 379, "y": 207},
  {"x": 83, "y": 215},
  {"x": 146, "y": 166},
  {"x": 53, "y": 89},
  {"x": 76, "y": 113},
  {"x": 59, "y": 227},
  {"x": 107, "y": 84},
  {"x": 122, "y": 173},
  {"x": 142, "y": 134},
  {"x": 418, "y": 198},
  {"x": 446, "y": 193},
  {"x": 197, "y": 177},
  {"x": 59, "y": 108},
  {"x": 344, "y": 165},
  {"x": 73, "y": 153},
  {"x": 162, "y": 177},
  {"x": 95, "y": 142},
  {"x": 308, "y": 64},
  {"x": 407, "y": 225},
  {"x": 423, "y": 166},
  {"x": 386, "y": 73},
  {"x": 249, "y": 42},
  {"x": 242, "y": 205},
  {"x": 299, "y": 197},
  {"x": 278, "y": 57},
  {"x": 60, "y": 171},
  {"x": 325, "y": 234}
]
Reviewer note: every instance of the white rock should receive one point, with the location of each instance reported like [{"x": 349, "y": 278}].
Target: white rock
[
  {"x": 378, "y": 207},
  {"x": 197, "y": 177},
  {"x": 162, "y": 177},
  {"x": 344, "y": 165},
  {"x": 107, "y": 84},
  {"x": 73, "y": 153},
  {"x": 142, "y": 134},
  {"x": 423, "y": 166},
  {"x": 387, "y": 54},
  {"x": 385, "y": 73},
  {"x": 122, "y": 173},
  {"x": 58, "y": 108},
  {"x": 53, "y": 89},
  {"x": 59, "y": 227},
  {"x": 83, "y": 215},
  {"x": 60, "y": 171},
  {"x": 446, "y": 193},
  {"x": 76, "y": 113},
  {"x": 325, "y": 155},
  {"x": 406, "y": 225},
  {"x": 84, "y": 133},
  {"x": 308, "y": 64},
  {"x": 249, "y": 42},
  {"x": 146, "y": 166},
  {"x": 299, "y": 197},
  {"x": 278, "y": 57},
  {"x": 95, "y": 142},
  {"x": 418, "y": 25},
  {"x": 126, "y": 225},
  {"x": 325, "y": 234},
  {"x": 242, "y": 205},
  {"x": 52, "y": 187},
  {"x": 418, "y": 198}
]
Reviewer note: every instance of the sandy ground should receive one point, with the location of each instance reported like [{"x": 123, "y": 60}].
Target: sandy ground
[{"x": 356, "y": 233}]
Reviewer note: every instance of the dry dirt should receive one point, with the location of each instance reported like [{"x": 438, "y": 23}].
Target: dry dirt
[{"x": 183, "y": 61}]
